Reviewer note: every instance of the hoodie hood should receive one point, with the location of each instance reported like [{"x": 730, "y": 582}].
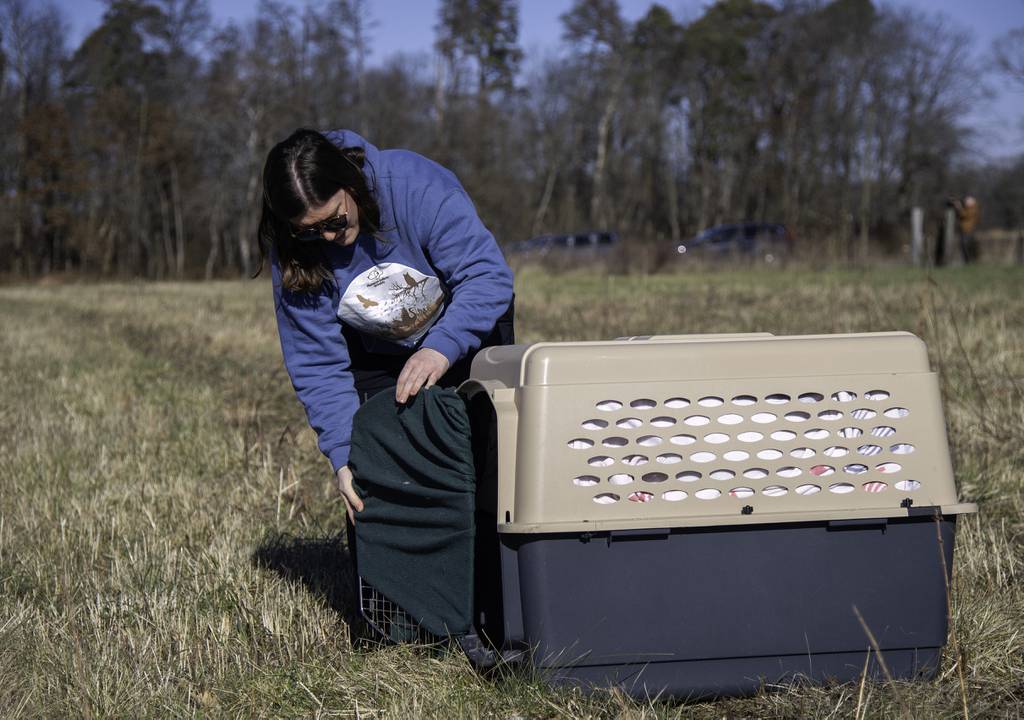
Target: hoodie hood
[{"x": 348, "y": 138}]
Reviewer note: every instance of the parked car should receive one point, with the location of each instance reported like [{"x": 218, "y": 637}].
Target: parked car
[
  {"x": 763, "y": 241},
  {"x": 592, "y": 242}
]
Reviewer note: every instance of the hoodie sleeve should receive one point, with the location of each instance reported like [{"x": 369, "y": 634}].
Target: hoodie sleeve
[
  {"x": 317, "y": 360},
  {"x": 468, "y": 256}
]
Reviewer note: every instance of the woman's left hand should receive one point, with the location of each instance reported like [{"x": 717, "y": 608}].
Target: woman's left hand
[{"x": 424, "y": 368}]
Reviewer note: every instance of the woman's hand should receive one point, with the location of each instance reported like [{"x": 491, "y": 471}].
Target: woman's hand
[
  {"x": 422, "y": 370},
  {"x": 348, "y": 493}
]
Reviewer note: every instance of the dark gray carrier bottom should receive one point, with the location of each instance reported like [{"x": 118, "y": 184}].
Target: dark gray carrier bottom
[{"x": 721, "y": 611}]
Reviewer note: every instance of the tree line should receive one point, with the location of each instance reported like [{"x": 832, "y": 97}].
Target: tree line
[{"x": 138, "y": 153}]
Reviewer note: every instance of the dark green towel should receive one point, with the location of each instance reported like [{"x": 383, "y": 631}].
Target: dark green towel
[{"x": 413, "y": 466}]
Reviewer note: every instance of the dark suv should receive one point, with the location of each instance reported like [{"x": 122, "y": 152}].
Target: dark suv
[{"x": 763, "y": 241}]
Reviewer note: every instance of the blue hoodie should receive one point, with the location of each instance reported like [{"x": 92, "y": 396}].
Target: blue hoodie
[{"x": 438, "y": 281}]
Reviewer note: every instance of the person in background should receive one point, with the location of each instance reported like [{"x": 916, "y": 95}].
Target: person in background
[
  {"x": 384, "y": 279},
  {"x": 967, "y": 220}
]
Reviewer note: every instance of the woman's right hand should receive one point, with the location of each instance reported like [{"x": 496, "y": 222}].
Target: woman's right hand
[{"x": 353, "y": 503}]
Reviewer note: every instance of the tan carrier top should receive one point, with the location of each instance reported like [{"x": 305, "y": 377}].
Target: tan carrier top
[{"x": 690, "y": 431}]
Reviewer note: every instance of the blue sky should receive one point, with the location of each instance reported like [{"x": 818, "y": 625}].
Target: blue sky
[{"x": 407, "y": 26}]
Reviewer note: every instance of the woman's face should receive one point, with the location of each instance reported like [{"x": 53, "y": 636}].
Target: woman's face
[{"x": 340, "y": 204}]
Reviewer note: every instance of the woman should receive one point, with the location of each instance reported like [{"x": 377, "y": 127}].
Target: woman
[{"x": 383, "y": 274}]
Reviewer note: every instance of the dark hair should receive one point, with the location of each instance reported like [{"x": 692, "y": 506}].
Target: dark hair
[{"x": 301, "y": 173}]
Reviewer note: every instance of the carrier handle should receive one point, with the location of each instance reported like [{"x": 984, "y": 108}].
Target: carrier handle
[{"x": 859, "y": 524}]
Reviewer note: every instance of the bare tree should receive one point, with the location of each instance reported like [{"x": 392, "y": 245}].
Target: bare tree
[
  {"x": 596, "y": 30},
  {"x": 32, "y": 40},
  {"x": 1008, "y": 50}
]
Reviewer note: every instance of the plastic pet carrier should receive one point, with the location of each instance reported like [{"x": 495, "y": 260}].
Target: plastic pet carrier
[{"x": 703, "y": 515}]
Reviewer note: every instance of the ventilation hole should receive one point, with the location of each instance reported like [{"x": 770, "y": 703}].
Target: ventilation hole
[
  {"x": 830, "y": 415},
  {"x": 629, "y": 423},
  {"x": 721, "y": 475},
  {"x": 736, "y": 456},
  {"x": 634, "y": 460},
  {"x": 677, "y": 402},
  {"x": 822, "y": 470},
  {"x": 750, "y": 436},
  {"x": 673, "y": 495},
  {"x": 869, "y": 449},
  {"x": 702, "y": 457},
  {"x": 789, "y": 471},
  {"x": 802, "y": 453},
  {"x": 876, "y": 395},
  {"x": 716, "y": 438},
  {"x": 708, "y": 494},
  {"x": 586, "y": 480},
  {"x": 609, "y": 405},
  {"x": 744, "y": 400},
  {"x": 741, "y": 492},
  {"x": 755, "y": 474},
  {"x": 696, "y": 420},
  {"x": 883, "y": 431},
  {"x": 855, "y": 469},
  {"x": 850, "y": 432},
  {"x": 888, "y": 468},
  {"x": 594, "y": 424},
  {"x": 777, "y": 399},
  {"x": 663, "y": 421},
  {"x": 764, "y": 417},
  {"x": 783, "y": 435},
  {"x": 580, "y": 444},
  {"x": 908, "y": 485},
  {"x": 615, "y": 442},
  {"x": 844, "y": 396},
  {"x": 640, "y": 496},
  {"x": 901, "y": 449},
  {"x": 682, "y": 439},
  {"x": 655, "y": 477},
  {"x": 606, "y": 498},
  {"x": 643, "y": 404},
  {"x": 710, "y": 401},
  {"x": 875, "y": 486},
  {"x": 837, "y": 451},
  {"x": 775, "y": 490},
  {"x": 730, "y": 419},
  {"x": 896, "y": 412},
  {"x": 840, "y": 488},
  {"x": 600, "y": 461},
  {"x": 649, "y": 440},
  {"x": 863, "y": 414},
  {"x": 798, "y": 416},
  {"x": 816, "y": 434},
  {"x": 807, "y": 489},
  {"x": 769, "y": 454},
  {"x": 688, "y": 476},
  {"x": 811, "y": 397},
  {"x": 669, "y": 459},
  {"x": 620, "y": 479}
]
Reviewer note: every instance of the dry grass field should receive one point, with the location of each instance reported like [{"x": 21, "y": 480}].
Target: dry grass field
[{"x": 168, "y": 530}]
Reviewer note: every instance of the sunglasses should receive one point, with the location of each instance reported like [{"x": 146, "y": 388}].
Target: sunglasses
[{"x": 315, "y": 232}]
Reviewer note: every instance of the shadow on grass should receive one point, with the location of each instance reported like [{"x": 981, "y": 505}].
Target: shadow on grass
[{"x": 322, "y": 565}]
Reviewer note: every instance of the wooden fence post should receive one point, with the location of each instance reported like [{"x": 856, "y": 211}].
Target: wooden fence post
[
  {"x": 949, "y": 244},
  {"x": 917, "y": 236}
]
